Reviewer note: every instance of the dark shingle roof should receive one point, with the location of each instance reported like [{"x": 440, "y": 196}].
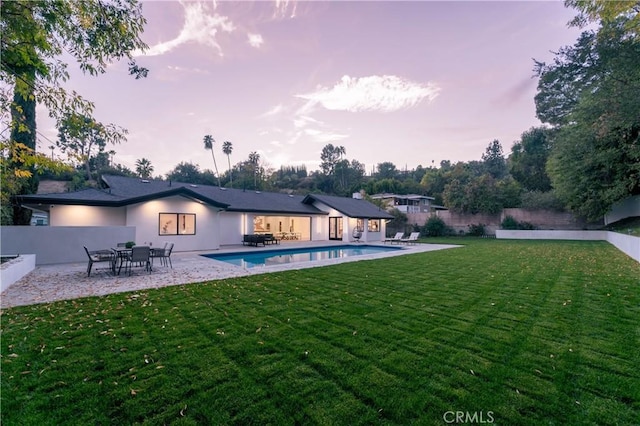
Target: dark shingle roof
[
  {"x": 351, "y": 207},
  {"x": 125, "y": 190}
]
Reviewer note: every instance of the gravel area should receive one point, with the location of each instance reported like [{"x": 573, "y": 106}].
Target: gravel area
[{"x": 50, "y": 283}]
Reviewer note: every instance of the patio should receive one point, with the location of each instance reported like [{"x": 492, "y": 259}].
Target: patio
[{"x": 50, "y": 283}]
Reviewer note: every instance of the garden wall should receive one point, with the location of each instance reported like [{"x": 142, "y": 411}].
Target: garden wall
[
  {"x": 628, "y": 244},
  {"x": 623, "y": 209},
  {"x": 15, "y": 269},
  {"x": 61, "y": 244},
  {"x": 544, "y": 219}
]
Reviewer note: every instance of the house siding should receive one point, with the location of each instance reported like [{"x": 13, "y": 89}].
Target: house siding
[
  {"x": 231, "y": 227},
  {"x": 61, "y": 215},
  {"x": 348, "y": 225},
  {"x": 145, "y": 217}
]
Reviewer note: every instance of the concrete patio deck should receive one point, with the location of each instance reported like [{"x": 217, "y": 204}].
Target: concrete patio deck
[{"x": 50, "y": 283}]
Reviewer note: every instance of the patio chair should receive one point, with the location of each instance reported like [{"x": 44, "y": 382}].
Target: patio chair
[
  {"x": 140, "y": 255},
  {"x": 413, "y": 238},
  {"x": 159, "y": 253},
  {"x": 396, "y": 239},
  {"x": 97, "y": 256},
  {"x": 357, "y": 234},
  {"x": 164, "y": 255}
]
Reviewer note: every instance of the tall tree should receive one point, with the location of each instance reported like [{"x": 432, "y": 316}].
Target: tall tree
[
  {"x": 479, "y": 195},
  {"x": 494, "y": 161},
  {"x": 607, "y": 11},
  {"x": 590, "y": 93},
  {"x": 144, "y": 169},
  {"x": 190, "y": 173},
  {"x": 227, "y": 148},
  {"x": 208, "y": 144},
  {"x": 80, "y": 135},
  {"x": 528, "y": 159},
  {"x": 35, "y": 34},
  {"x": 329, "y": 157},
  {"x": 386, "y": 170}
]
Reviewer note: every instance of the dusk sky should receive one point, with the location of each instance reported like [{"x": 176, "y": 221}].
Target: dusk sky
[{"x": 412, "y": 83}]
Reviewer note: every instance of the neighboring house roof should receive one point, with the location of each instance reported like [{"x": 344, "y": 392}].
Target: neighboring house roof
[
  {"x": 351, "y": 207},
  {"x": 122, "y": 191},
  {"x": 402, "y": 197}
]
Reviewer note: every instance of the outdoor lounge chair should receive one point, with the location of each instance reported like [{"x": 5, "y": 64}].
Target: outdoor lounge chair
[
  {"x": 413, "y": 238},
  {"x": 98, "y": 256},
  {"x": 395, "y": 239},
  {"x": 357, "y": 234}
]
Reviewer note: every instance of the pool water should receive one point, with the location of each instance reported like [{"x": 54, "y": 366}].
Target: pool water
[{"x": 279, "y": 257}]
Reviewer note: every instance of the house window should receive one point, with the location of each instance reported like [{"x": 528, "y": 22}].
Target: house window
[
  {"x": 258, "y": 224},
  {"x": 374, "y": 225},
  {"x": 177, "y": 224},
  {"x": 360, "y": 225}
]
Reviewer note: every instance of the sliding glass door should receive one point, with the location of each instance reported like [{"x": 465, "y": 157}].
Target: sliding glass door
[{"x": 335, "y": 228}]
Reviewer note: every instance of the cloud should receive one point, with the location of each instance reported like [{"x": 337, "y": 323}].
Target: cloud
[
  {"x": 276, "y": 110},
  {"x": 187, "y": 70},
  {"x": 255, "y": 40},
  {"x": 284, "y": 8},
  {"x": 201, "y": 25},
  {"x": 324, "y": 137},
  {"x": 301, "y": 121},
  {"x": 385, "y": 93}
]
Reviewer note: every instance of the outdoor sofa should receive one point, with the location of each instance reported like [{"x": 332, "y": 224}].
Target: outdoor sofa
[{"x": 253, "y": 239}]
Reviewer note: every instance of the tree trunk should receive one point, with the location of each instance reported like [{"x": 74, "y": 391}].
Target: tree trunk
[{"x": 23, "y": 130}]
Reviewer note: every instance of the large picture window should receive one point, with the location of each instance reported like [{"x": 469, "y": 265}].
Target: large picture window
[
  {"x": 177, "y": 224},
  {"x": 374, "y": 225}
]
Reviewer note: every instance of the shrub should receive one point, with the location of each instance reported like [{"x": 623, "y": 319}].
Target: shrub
[
  {"x": 435, "y": 227},
  {"x": 527, "y": 226},
  {"x": 510, "y": 223},
  {"x": 476, "y": 230}
]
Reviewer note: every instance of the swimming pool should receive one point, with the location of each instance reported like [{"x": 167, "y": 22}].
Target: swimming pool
[{"x": 279, "y": 257}]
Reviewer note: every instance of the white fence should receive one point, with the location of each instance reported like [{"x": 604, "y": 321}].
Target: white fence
[
  {"x": 627, "y": 244},
  {"x": 61, "y": 244}
]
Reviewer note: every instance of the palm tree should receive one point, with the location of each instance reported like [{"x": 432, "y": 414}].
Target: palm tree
[
  {"x": 227, "y": 148},
  {"x": 208, "y": 144},
  {"x": 254, "y": 159},
  {"x": 144, "y": 168}
]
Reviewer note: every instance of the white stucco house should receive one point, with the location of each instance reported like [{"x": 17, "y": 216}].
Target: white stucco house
[{"x": 203, "y": 217}]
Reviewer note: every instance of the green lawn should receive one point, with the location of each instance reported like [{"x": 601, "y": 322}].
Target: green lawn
[{"x": 514, "y": 332}]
